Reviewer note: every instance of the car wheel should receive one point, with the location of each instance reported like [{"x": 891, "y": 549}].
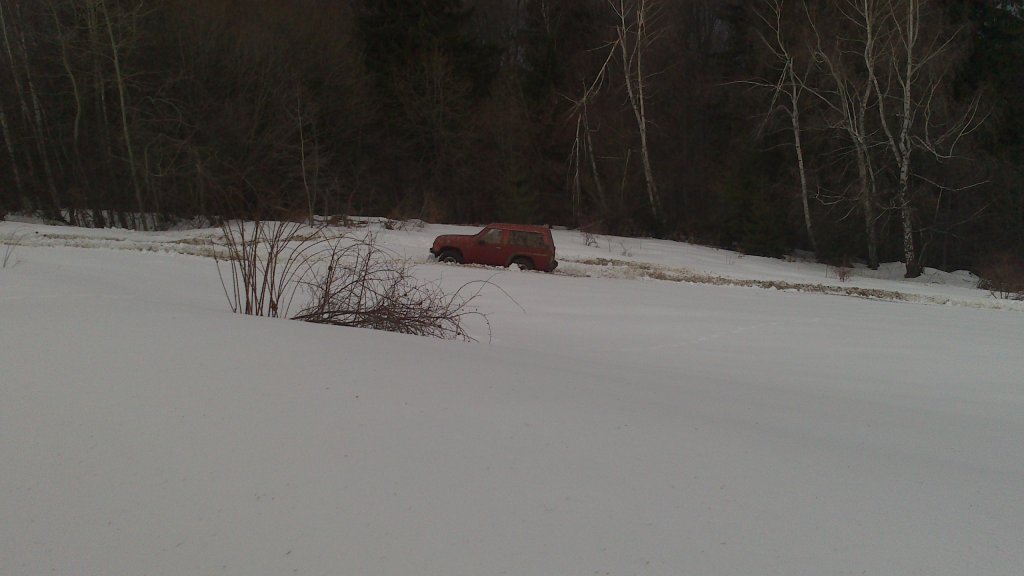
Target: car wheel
[
  {"x": 450, "y": 256},
  {"x": 523, "y": 263}
]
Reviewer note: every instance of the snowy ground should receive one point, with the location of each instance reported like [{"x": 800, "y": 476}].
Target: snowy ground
[{"x": 614, "y": 423}]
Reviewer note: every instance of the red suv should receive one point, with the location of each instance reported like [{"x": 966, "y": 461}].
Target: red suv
[{"x": 529, "y": 247}]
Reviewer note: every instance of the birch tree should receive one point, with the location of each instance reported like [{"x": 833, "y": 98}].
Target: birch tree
[
  {"x": 910, "y": 80},
  {"x": 633, "y": 40},
  {"x": 789, "y": 87},
  {"x": 583, "y": 144},
  {"x": 851, "y": 98},
  {"x": 889, "y": 69},
  {"x": 626, "y": 49}
]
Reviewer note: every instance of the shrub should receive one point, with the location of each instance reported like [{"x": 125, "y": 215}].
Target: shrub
[
  {"x": 589, "y": 239},
  {"x": 1003, "y": 276},
  {"x": 590, "y": 231},
  {"x": 840, "y": 270},
  {"x": 11, "y": 242},
  {"x": 347, "y": 281},
  {"x": 267, "y": 261},
  {"x": 360, "y": 284}
]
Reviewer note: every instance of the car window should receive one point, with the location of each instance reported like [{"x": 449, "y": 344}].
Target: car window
[
  {"x": 533, "y": 239},
  {"x": 491, "y": 236}
]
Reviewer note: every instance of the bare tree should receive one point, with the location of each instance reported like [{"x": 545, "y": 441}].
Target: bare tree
[
  {"x": 633, "y": 39},
  {"x": 888, "y": 69},
  {"x": 583, "y": 145},
  {"x": 912, "y": 82},
  {"x": 851, "y": 98},
  {"x": 788, "y": 86},
  {"x": 119, "y": 78},
  {"x": 310, "y": 183},
  {"x": 63, "y": 38}
]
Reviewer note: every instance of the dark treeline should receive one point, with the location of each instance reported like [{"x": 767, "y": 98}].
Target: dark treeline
[{"x": 874, "y": 130}]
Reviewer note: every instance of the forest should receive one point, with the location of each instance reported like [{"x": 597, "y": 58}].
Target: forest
[{"x": 852, "y": 130}]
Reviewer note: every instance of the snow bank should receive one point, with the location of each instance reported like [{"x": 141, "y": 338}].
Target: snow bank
[{"x": 616, "y": 426}]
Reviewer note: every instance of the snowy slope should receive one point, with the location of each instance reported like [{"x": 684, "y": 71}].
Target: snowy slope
[{"x": 613, "y": 424}]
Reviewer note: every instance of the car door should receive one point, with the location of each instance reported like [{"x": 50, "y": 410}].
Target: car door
[{"x": 490, "y": 247}]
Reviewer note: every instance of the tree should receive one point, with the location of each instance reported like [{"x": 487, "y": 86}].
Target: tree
[
  {"x": 119, "y": 81},
  {"x": 850, "y": 95},
  {"x": 634, "y": 38},
  {"x": 913, "y": 81},
  {"x": 789, "y": 87}
]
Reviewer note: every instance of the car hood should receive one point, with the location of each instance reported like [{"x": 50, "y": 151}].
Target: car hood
[{"x": 452, "y": 238}]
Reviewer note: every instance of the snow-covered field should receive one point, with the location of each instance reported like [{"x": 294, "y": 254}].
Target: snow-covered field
[{"x": 632, "y": 414}]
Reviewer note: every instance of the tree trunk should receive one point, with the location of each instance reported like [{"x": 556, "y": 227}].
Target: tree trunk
[
  {"x": 119, "y": 79},
  {"x": 794, "y": 94},
  {"x": 867, "y": 206},
  {"x": 9, "y": 144},
  {"x": 76, "y": 160},
  {"x": 601, "y": 199},
  {"x": 99, "y": 82},
  {"x": 866, "y": 174},
  {"x": 302, "y": 163},
  {"x": 652, "y": 188},
  {"x": 903, "y": 194}
]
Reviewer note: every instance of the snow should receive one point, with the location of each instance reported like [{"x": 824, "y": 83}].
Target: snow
[{"x": 613, "y": 423}]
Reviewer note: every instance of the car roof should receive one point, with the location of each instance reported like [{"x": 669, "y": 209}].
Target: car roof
[{"x": 518, "y": 227}]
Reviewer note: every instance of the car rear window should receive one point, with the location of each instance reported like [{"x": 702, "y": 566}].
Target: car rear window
[{"x": 533, "y": 239}]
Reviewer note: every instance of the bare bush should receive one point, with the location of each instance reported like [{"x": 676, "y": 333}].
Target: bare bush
[
  {"x": 11, "y": 242},
  {"x": 362, "y": 285},
  {"x": 843, "y": 273},
  {"x": 267, "y": 261},
  {"x": 629, "y": 247},
  {"x": 1003, "y": 276},
  {"x": 590, "y": 231},
  {"x": 346, "y": 281},
  {"x": 840, "y": 270}
]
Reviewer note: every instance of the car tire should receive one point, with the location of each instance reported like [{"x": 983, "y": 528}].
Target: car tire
[
  {"x": 523, "y": 263},
  {"x": 450, "y": 256}
]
